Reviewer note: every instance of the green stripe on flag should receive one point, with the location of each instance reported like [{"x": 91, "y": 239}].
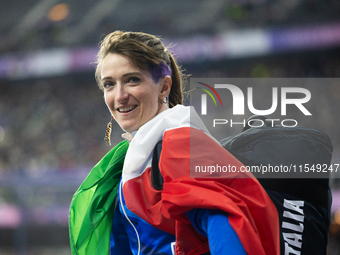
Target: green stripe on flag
[{"x": 92, "y": 206}]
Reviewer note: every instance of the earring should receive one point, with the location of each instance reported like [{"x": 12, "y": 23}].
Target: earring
[
  {"x": 165, "y": 100},
  {"x": 107, "y": 137}
]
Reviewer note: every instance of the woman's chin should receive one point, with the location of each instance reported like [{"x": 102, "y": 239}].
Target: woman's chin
[{"x": 129, "y": 128}]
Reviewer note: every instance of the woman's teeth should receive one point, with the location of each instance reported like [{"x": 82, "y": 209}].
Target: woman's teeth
[{"x": 127, "y": 109}]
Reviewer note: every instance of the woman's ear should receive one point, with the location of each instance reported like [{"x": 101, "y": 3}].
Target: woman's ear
[{"x": 165, "y": 86}]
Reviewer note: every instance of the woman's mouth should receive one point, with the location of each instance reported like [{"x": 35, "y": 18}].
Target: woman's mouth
[{"x": 126, "y": 109}]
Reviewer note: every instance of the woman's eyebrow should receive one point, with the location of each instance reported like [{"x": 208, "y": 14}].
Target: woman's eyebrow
[
  {"x": 132, "y": 73},
  {"x": 106, "y": 78},
  {"x": 124, "y": 75}
]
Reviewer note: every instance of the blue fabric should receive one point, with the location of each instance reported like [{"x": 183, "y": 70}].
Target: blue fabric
[
  {"x": 214, "y": 225},
  {"x": 119, "y": 241},
  {"x": 124, "y": 238}
]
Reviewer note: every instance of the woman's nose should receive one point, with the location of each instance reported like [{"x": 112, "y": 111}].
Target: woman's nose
[{"x": 121, "y": 94}]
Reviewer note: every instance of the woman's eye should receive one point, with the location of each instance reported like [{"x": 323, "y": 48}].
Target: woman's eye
[
  {"x": 108, "y": 84},
  {"x": 133, "y": 80}
]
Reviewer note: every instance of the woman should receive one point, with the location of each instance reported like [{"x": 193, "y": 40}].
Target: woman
[{"x": 141, "y": 200}]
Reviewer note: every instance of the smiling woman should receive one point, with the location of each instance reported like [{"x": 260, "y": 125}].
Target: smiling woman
[
  {"x": 127, "y": 64},
  {"x": 140, "y": 199},
  {"x": 131, "y": 93},
  {"x": 146, "y": 52}
]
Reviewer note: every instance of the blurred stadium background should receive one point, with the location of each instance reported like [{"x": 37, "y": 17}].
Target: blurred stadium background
[{"x": 52, "y": 115}]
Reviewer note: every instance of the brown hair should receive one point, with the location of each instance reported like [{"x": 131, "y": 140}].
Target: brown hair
[{"x": 145, "y": 51}]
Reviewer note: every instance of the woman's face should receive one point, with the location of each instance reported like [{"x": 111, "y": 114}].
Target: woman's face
[{"x": 130, "y": 93}]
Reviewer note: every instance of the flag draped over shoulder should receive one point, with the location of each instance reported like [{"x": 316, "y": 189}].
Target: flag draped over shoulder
[
  {"x": 186, "y": 143},
  {"x": 92, "y": 206}
]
